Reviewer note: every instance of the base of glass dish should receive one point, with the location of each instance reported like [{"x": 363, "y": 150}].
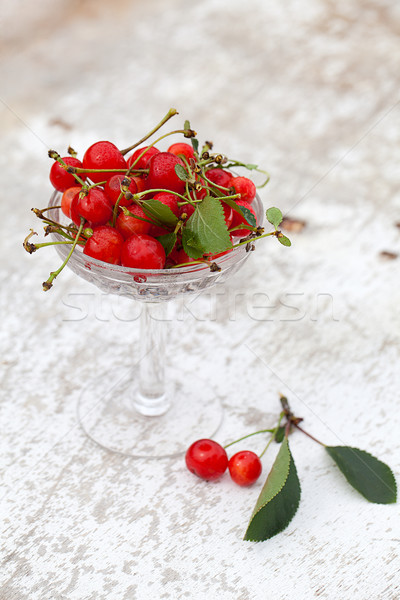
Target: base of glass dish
[{"x": 107, "y": 415}]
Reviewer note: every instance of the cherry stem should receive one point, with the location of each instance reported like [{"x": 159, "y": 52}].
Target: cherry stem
[
  {"x": 219, "y": 187},
  {"x": 140, "y": 195},
  {"x": 42, "y": 245},
  {"x": 116, "y": 206},
  {"x": 307, "y": 434},
  {"x": 129, "y": 214},
  {"x": 237, "y": 163},
  {"x": 81, "y": 170},
  {"x": 65, "y": 166},
  {"x": 170, "y": 113},
  {"x": 274, "y": 432},
  {"x": 199, "y": 261},
  {"x": 151, "y": 145},
  {"x": 249, "y": 435},
  {"x": 259, "y": 237},
  {"x": 48, "y": 284}
]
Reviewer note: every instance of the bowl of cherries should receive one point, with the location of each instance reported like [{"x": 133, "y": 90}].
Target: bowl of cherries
[{"x": 150, "y": 222}]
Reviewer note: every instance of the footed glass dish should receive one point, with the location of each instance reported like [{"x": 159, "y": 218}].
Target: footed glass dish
[{"x": 144, "y": 410}]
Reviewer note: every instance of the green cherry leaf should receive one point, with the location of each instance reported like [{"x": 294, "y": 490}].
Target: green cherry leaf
[
  {"x": 191, "y": 244},
  {"x": 280, "y": 434},
  {"x": 368, "y": 475},
  {"x": 195, "y": 145},
  {"x": 186, "y": 125},
  {"x": 181, "y": 172},
  {"x": 208, "y": 227},
  {"x": 159, "y": 211},
  {"x": 278, "y": 501},
  {"x": 274, "y": 216},
  {"x": 168, "y": 242},
  {"x": 248, "y": 215},
  {"x": 282, "y": 239}
]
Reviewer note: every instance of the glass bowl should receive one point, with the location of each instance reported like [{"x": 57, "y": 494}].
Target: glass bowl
[{"x": 136, "y": 410}]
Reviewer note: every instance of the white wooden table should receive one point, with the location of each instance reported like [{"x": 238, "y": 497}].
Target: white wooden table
[{"x": 311, "y": 91}]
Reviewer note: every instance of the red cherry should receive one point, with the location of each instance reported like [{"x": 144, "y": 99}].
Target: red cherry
[
  {"x": 245, "y": 187},
  {"x": 142, "y": 252},
  {"x": 67, "y": 198},
  {"x": 200, "y": 194},
  {"x": 128, "y": 225},
  {"x": 188, "y": 209},
  {"x": 206, "y": 459},
  {"x": 112, "y": 189},
  {"x": 214, "y": 256},
  {"x": 245, "y": 467},
  {"x": 103, "y": 155},
  {"x": 182, "y": 148},
  {"x": 228, "y": 214},
  {"x": 105, "y": 244},
  {"x": 143, "y": 161},
  {"x": 220, "y": 177},
  {"x": 140, "y": 182},
  {"x": 59, "y": 177},
  {"x": 179, "y": 256},
  {"x": 169, "y": 200},
  {"x": 95, "y": 207},
  {"x": 238, "y": 219},
  {"x": 162, "y": 172}
]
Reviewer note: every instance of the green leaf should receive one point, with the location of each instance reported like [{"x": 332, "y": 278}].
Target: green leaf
[
  {"x": 248, "y": 215},
  {"x": 278, "y": 501},
  {"x": 208, "y": 227},
  {"x": 274, "y": 216},
  {"x": 191, "y": 244},
  {"x": 368, "y": 475},
  {"x": 280, "y": 434},
  {"x": 168, "y": 242},
  {"x": 159, "y": 212},
  {"x": 181, "y": 172},
  {"x": 186, "y": 125},
  {"x": 237, "y": 163},
  {"x": 282, "y": 239},
  {"x": 195, "y": 144}
]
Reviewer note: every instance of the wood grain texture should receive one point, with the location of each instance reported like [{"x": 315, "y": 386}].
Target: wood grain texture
[{"x": 310, "y": 90}]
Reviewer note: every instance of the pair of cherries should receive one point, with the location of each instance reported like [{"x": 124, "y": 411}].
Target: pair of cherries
[{"x": 208, "y": 460}]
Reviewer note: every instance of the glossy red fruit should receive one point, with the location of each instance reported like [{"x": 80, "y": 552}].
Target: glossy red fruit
[
  {"x": 171, "y": 201},
  {"x": 162, "y": 173},
  {"x": 220, "y": 177},
  {"x": 67, "y": 198},
  {"x": 105, "y": 244},
  {"x": 140, "y": 182},
  {"x": 245, "y": 187},
  {"x": 187, "y": 209},
  {"x": 59, "y": 177},
  {"x": 214, "y": 256},
  {"x": 245, "y": 467},
  {"x": 238, "y": 219},
  {"x": 206, "y": 459},
  {"x": 143, "y": 161},
  {"x": 142, "y": 252},
  {"x": 95, "y": 207},
  {"x": 228, "y": 214},
  {"x": 180, "y": 257},
  {"x": 103, "y": 155},
  {"x": 199, "y": 194},
  {"x": 112, "y": 190},
  {"x": 181, "y": 148},
  {"x": 128, "y": 225}
]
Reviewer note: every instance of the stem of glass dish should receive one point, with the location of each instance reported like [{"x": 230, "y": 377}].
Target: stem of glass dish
[{"x": 151, "y": 398}]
